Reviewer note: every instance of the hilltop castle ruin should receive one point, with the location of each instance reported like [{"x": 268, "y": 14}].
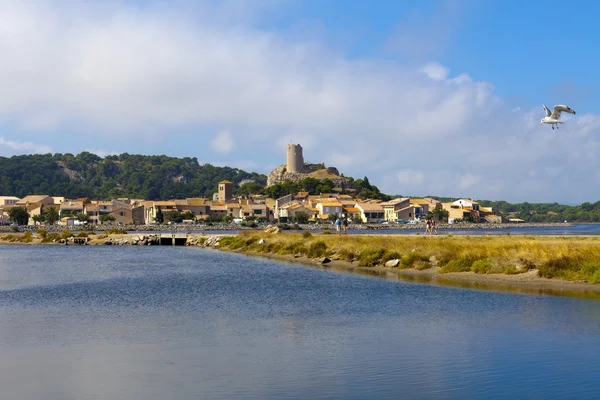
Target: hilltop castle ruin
[{"x": 295, "y": 169}]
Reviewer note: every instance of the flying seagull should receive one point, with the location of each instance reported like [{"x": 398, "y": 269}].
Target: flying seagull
[{"x": 553, "y": 118}]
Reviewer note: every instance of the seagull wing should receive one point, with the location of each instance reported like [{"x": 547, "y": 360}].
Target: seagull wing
[
  {"x": 547, "y": 111},
  {"x": 560, "y": 108}
]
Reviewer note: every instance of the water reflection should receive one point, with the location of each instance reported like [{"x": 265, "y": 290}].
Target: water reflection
[{"x": 164, "y": 322}]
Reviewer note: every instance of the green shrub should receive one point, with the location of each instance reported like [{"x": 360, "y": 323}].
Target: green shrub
[
  {"x": 596, "y": 277},
  {"x": 412, "y": 258},
  {"x": 511, "y": 270},
  {"x": 82, "y": 234},
  {"x": 390, "y": 255},
  {"x": 563, "y": 267},
  {"x": 457, "y": 265},
  {"x": 306, "y": 235},
  {"x": 346, "y": 255},
  {"x": 27, "y": 237},
  {"x": 317, "y": 249},
  {"x": 481, "y": 266},
  {"x": 66, "y": 234},
  {"x": 42, "y": 232},
  {"x": 371, "y": 258},
  {"x": 50, "y": 237}
]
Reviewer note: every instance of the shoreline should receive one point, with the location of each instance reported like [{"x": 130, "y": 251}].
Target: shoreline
[
  {"x": 524, "y": 282},
  {"x": 182, "y": 228},
  {"x": 527, "y": 283}
]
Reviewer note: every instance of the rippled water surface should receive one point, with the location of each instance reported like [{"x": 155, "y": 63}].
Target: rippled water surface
[{"x": 187, "y": 323}]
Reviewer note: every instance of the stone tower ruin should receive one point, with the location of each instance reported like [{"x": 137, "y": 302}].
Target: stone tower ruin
[{"x": 294, "y": 160}]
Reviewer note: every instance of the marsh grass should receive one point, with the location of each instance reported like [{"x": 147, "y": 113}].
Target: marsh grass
[{"x": 568, "y": 258}]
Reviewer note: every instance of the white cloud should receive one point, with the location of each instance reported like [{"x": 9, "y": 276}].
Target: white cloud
[
  {"x": 150, "y": 73},
  {"x": 435, "y": 71},
  {"x": 222, "y": 142},
  {"x": 411, "y": 177},
  {"x": 340, "y": 160},
  {"x": 25, "y": 147},
  {"x": 467, "y": 181}
]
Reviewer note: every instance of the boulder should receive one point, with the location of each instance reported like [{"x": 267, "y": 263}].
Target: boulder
[{"x": 324, "y": 260}]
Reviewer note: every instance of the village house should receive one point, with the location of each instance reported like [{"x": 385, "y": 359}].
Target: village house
[
  {"x": 70, "y": 208},
  {"x": 370, "y": 212},
  {"x": 329, "y": 206},
  {"x": 391, "y": 208},
  {"x": 461, "y": 210},
  {"x": 290, "y": 211},
  {"x": 6, "y": 203}
]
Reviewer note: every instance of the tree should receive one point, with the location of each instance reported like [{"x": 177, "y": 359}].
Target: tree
[
  {"x": 106, "y": 217},
  {"x": 38, "y": 218},
  {"x": 19, "y": 215},
  {"x": 250, "y": 188},
  {"x": 159, "y": 216},
  {"x": 173, "y": 216},
  {"x": 441, "y": 214},
  {"x": 51, "y": 215},
  {"x": 82, "y": 217},
  {"x": 301, "y": 217}
]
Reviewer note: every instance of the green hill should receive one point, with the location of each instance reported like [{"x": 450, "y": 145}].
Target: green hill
[{"x": 125, "y": 175}]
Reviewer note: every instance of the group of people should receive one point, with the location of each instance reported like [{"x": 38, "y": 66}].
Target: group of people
[
  {"x": 341, "y": 224},
  {"x": 430, "y": 226}
]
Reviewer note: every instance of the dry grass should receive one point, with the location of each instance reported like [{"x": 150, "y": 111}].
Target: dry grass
[{"x": 571, "y": 258}]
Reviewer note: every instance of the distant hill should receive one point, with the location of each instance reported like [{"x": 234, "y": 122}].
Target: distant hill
[{"x": 126, "y": 175}]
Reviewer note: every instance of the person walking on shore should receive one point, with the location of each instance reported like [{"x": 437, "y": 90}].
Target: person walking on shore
[
  {"x": 433, "y": 229},
  {"x": 345, "y": 225},
  {"x": 338, "y": 226},
  {"x": 427, "y": 227}
]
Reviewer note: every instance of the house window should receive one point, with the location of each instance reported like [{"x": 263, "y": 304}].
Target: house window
[
  {"x": 121, "y": 213},
  {"x": 258, "y": 212}
]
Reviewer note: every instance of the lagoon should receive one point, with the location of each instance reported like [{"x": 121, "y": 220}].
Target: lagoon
[{"x": 179, "y": 323}]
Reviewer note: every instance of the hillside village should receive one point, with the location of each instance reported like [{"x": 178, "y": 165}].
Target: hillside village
[
  {"x": 224, "y": 207},
  {"x": 301, "y": 207}
]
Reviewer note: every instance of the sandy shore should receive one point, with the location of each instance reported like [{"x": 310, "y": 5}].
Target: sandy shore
[{"x": 528, "y": 283}]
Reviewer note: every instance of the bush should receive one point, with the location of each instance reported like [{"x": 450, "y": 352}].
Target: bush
[
  {"x": 82, "y": 234},
  {"x": 27, "y": 237},
  {"x": 42, "y": 233},
  {"x": 370, "y": 258},
  {"x": 596, "y": 277},
  {"x": 563, "y": 267},
  {"x": 482, "y": 266},
  {"x": 50, "y": 237},
  {"x": 66, "y": 234},
  {"x": 413, "y": 258},
  {"x": 306, "y": 235},
  {"x": 457, "y": 265},
  {"x": 283, "y": 227},
  {"x": 390, "y": 255},
  {"x": 317, "y": 249},
  {"x": 347, "y": 255}
]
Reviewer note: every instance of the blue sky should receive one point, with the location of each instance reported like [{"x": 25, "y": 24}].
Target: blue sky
[{"x": 424, "y": 98}]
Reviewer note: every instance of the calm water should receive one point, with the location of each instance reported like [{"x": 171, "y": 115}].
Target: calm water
[{"x": 187, "y": 323}]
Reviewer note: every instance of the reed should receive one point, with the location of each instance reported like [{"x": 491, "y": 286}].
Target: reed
[{"x": 571, "y": 258}]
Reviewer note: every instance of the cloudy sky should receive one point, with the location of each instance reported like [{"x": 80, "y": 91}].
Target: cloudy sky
[{"x": 425, "y": 98}]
